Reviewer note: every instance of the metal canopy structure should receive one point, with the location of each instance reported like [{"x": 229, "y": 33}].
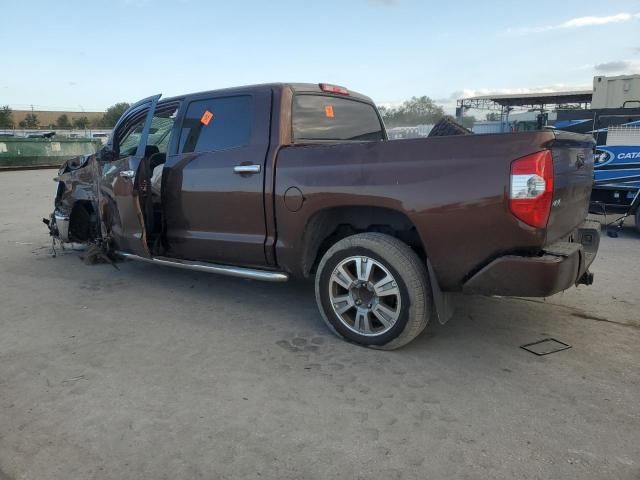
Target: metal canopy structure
[{"x": 580, "y": 99}]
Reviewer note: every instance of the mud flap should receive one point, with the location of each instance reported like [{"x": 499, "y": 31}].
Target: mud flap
[{"x": 441, "y": 300}]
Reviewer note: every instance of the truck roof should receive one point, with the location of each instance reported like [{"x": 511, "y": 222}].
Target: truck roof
[{"x": 296, "y": 87}]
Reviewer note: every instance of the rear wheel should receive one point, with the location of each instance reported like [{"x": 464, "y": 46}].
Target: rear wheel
[{"x": 372, "y": 289}]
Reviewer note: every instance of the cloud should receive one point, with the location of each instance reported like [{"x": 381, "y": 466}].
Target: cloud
[
  {"x": 452, "y": 96},
  {"x": 558, "y": 87},
  {"x": 618, "y": 66},
  {"x": 589, "y": 21},
  {"x": 578, "y": 22},
  {"x": 614, "y": 66}
]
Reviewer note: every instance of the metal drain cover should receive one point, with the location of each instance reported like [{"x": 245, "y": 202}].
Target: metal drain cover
[{"x": 545, "y": 347}]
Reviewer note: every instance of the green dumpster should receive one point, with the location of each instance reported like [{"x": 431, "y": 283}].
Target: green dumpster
[{"x": 20, "y": 152}]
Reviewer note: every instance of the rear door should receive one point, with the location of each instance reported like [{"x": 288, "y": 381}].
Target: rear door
[
  {"x": 213, "y": 185},
  {"x": 121, "y": 212}
]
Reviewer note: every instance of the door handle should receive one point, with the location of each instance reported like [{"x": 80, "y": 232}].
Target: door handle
[
  {"x": 128, "y": 173},
  {"x": 247, "y": 169}
]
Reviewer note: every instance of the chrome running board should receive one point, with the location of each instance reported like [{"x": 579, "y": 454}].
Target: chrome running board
[{"x": 242, "y": 272}]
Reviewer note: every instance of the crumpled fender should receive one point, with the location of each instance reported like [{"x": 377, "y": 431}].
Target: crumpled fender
[{"x": 77, "y": 181}]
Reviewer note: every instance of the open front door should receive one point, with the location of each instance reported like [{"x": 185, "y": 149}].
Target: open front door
[{"x": 121, "y": 213}]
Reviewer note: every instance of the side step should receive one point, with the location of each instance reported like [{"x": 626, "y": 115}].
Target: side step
[{"x": 242, "y": 272}]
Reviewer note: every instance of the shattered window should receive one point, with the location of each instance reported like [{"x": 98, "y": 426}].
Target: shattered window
[
  {"x": 160, "y": 131},
  {"x": 129, "y": 143}
]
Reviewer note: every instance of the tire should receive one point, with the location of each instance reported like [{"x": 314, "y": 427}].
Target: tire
[
  {"x": 389, "y": 313},
  {"x": 637, "y": 219}
]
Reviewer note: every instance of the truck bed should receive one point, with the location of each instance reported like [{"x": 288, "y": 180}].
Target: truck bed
[{"x": 454, "y": 190}]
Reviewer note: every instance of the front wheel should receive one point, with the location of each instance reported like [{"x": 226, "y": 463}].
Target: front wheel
[{"x": 372, "y": 289}]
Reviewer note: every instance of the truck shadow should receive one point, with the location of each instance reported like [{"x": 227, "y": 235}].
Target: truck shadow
[
  {"x": 479, "y": 326},
  {"x": 270, "y": 339}
]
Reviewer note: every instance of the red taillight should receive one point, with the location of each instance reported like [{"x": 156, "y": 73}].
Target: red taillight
[
  {"x": 325, "y": 87},
  {"x": 531, "y": 189}
]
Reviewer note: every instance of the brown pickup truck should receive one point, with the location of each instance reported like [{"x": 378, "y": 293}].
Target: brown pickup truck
[{"x": 276, "y": 181}]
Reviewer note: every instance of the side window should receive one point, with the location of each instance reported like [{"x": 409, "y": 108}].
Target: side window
[
  {"x": 217, "y": 124},
  {"x": 161, "y": 128},
  {"x": 128, "y": 135}
]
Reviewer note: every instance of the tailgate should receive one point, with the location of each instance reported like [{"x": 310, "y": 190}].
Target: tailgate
[{"x": 573, "y": 179}]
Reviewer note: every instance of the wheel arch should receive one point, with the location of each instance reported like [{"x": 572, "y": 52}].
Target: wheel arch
[
  {"x": 82, "y": 221},
  {"x": 330, "y": 225}
]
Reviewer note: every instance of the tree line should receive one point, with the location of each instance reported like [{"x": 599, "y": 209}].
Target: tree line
[
  {"x": 32, "y": 121},
  {"x": 412, "y": 112},
  {"x": 417, "y": 111}
]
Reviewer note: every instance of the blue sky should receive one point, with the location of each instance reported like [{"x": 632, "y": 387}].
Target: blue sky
[{"x": 90, "y": 54}]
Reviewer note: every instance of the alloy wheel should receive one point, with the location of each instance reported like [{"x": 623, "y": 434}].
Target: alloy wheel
[{"x": 364, "y": 295}]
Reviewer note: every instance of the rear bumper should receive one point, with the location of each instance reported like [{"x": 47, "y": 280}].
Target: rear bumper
[{"x": 557, "y": 268}]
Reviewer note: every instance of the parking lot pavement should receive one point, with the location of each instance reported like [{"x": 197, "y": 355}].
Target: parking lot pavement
[{"x": 150, "y": 372}]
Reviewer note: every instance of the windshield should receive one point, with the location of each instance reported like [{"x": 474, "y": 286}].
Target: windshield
[{"x": 321, "y": 117}]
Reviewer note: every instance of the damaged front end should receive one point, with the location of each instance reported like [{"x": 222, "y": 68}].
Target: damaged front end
[
  {"x": 103, "y": 200},
  {"x": 75, "y": 216}
]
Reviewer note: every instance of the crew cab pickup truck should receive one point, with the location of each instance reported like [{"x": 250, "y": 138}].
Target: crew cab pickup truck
[{"x": 281, "y": 181}]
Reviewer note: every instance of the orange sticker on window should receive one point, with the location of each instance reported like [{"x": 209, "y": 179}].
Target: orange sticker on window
[
  {"x": 328, "y": 111},
  {"x": 206, "y": 117}
]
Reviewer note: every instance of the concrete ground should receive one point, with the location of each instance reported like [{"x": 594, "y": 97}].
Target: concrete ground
[{"x": 150, "y": 372}]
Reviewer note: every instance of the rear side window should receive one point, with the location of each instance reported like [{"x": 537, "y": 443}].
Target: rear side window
[
  {"x": 217, "y": 124},
  {"x": 320, "y": 117}
]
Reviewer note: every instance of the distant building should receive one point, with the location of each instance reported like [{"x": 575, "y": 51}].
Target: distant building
[
  {"x": 47, "y": 117},
  {"x": 517, "y": 122},
  {"x": 616, "y": 92},
  {"x": 621, "y": 93}
]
